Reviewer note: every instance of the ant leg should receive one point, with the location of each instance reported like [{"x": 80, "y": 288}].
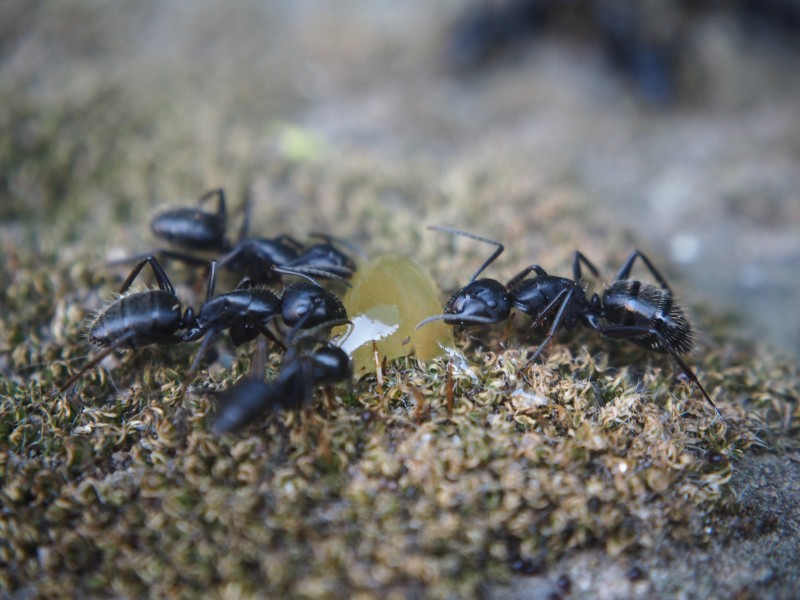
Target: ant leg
[
  {"x": 96, "y": 360},
  {"x": 540, "y": 316},
  {"x": 524, "y": 273},
  {"x": 244, "y": 230},
  {"x": 489, "y": 261},
  {"x": 287, "y": 239},
  {"x": 628, "y": 332},
  {"x": 161, "y": 276},
  {"x": 245, "y": 284},
  {"x": 258, "y": 364},
  {"x": 266, "y": 332},
  {"x": 625, "y": 270},
  {"x": 212, "y": 280},
  {"x": 554, "y": 328},
  {"x": 219, "y": 193},
  {"x": 232, "y": 255},
  {"x": 163, "y": 254},
  {"x": 579, "y": 258},
  {"x": 201, "y": 351}
]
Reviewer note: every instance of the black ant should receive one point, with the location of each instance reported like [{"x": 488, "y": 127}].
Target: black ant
[
  {"x": 301, "y": 371},
  {"x": 195, "y": 229},
  {"x": 264, "y": 259},
  {"x": 139, "y": 319},
  {"x": 641, "y": 313},
  {"x": 154, "y": 316},
  {"x": 192, "y": 228},
  {"x": 247, "y": 311}
]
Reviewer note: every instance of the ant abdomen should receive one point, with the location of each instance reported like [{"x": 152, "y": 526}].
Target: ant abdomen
[{"x": 630, "y": 303}]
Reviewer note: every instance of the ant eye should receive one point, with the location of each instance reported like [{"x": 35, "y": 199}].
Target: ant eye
[{"x": 491, "y": 303}]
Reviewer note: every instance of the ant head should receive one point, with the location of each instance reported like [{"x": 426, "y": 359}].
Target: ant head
[
  {"x": 310, "y": 304},
  {"x": 482, "y": 301},
  {"x": 331, "y": 363}
]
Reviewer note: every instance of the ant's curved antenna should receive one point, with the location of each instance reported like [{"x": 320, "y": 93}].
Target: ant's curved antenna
[{"x": 467, "y": 234}]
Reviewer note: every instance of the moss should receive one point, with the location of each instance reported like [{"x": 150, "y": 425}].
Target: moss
[
  {"x": 430, "y": 482},
  {"x": 380, "y": 488}
]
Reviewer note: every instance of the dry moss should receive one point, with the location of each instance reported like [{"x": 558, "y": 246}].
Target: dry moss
[
  {"x": 386, "y": 488},
  {"x": 376, "y": 489}
]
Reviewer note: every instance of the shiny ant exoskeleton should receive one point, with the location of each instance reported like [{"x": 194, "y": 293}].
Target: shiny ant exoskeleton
[
  {"x": 247, "y": 311},
  {"x": 193, "y": 228},
  {"x": 641, "y": 313},
  {"x": 300, "y": 373},
  {"x": 265, "y": 259},
  {"x": 262, "y": 259},
  {"x": 138, "y": 319},
  {"x": 154, "y": 316}
]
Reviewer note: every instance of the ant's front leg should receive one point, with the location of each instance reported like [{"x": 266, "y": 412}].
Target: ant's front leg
[{"x": 566, "y": 305}]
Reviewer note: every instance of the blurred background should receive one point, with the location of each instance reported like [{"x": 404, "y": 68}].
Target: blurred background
[{"x": 671, "y": 126}]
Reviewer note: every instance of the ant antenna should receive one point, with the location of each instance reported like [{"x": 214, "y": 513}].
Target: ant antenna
[
  {"x": 306, "y": 273},
  {"x": 489, "y": 261}
]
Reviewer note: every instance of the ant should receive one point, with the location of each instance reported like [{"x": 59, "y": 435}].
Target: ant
[
  {"x": 263, "y": 258},
  {"x": 247, "y": 310},
  {"x": 301, "y": 371},
  {"x": 139, "y": 319},
  {"x": 154, "y": 316},
  {"x": 641, "y": 313},
  {"x": 195, "y": 229},
  {"x": 192, "y": 228}
]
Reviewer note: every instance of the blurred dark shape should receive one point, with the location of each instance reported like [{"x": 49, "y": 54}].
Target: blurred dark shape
[
  {"x": 643, "y": 41},
  {"x": 490, "y": 28},
  {"x": 637, "y": 53},
  {"x": 768, "y": 15}
]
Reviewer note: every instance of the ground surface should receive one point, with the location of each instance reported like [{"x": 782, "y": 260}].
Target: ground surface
[{"x": 348, "y": 121}]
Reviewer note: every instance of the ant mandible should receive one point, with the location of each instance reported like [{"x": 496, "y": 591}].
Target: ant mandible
[{"x": 641, "y": 313}]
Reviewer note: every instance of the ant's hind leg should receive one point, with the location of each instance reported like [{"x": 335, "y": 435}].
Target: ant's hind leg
[
  {"x": 625, "y": 270},
  {"x": 201, "y": 351},
  {"x": 629, "y": 332},
  {"x": 163, "y": 254},
  {"x": 162, "y": 280},
  {"x": 220, "y": 194},
  {"x": 96, "y": 360}
]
